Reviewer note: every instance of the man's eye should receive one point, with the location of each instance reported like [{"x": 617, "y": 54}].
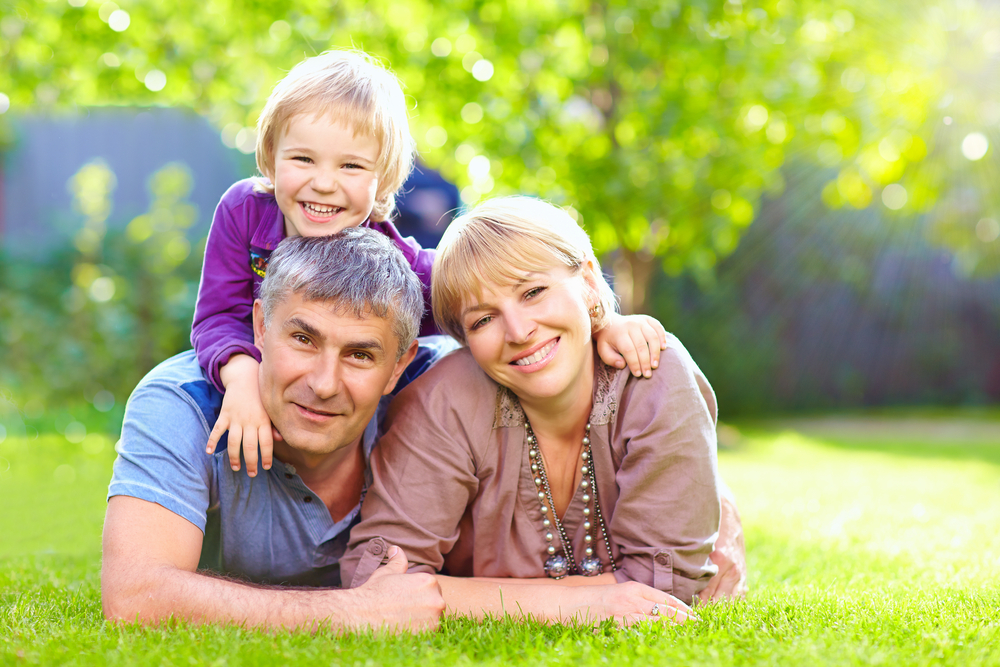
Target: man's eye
[
  {"x": 301, "y": 338},
  {"x": 362, "y": 356}
]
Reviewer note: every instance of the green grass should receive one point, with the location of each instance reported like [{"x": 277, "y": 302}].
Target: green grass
[{"x": 871, "y": 540}]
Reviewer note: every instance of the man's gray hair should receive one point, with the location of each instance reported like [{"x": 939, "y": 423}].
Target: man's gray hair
[{"x": 357, "y": 270}]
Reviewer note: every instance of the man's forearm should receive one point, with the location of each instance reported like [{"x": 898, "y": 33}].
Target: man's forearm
[{"x": 148, "y": 575}]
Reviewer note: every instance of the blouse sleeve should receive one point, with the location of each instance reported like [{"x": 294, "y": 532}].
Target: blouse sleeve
[
  {"x": 424, "y": 476},
  {"x": 666, "y": 519},
  {"x": 223, "y": 315}
]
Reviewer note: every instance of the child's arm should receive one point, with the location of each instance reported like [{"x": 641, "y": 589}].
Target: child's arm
[
  {"x": 635, "y": 340},
  {"x": 420, "y": 260},
  {"x": 223, "y": 315},
  {"x": 222, "y": 334},
  {"x": 243, "y": 415}
]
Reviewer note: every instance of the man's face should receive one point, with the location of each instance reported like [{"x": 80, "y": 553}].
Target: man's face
[{"x": 322, "y": 372}]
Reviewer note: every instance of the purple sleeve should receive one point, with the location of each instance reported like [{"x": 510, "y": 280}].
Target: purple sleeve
[
  {"x": 421, "y": 260},
  {"x": 223, "y": 315}
]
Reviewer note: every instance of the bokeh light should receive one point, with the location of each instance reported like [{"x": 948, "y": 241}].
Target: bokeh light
[{"x": 974, "y": 146}]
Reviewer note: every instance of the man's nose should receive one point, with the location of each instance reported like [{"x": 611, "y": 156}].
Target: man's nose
[{"x": 326, "y": 377}]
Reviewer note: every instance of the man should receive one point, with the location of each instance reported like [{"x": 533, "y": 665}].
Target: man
[{"x": 335, "y": 324}]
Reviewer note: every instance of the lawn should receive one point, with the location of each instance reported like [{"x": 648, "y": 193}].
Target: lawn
[{"x": 871, "y": 540}]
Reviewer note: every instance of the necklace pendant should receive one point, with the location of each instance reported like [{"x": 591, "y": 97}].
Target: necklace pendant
[
  {"x": 591, "y": 566},
  {"x": 557, "y": 566}
]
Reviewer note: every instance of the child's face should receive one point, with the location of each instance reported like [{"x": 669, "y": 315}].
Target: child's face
[{"x": 324, "y": 177}]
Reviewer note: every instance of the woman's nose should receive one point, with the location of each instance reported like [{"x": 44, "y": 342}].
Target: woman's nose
[{"x": 519, "y": 327}]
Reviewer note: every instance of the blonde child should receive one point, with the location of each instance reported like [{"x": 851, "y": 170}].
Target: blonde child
[{"x": 334, "y": 147}]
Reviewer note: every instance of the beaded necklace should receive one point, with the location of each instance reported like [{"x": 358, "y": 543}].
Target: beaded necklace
[{"x": 558, "y": 565}]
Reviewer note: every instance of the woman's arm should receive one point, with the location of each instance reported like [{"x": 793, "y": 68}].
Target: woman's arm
[
  {"x": 562, "y": 601},
  {"x": 666, "y": 518}
]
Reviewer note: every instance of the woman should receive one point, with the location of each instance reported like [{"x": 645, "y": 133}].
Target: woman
[{"x": 523, "y": 457}]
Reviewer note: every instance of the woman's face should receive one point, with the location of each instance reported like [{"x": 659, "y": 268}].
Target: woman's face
[{"x": 534, "y": 337}]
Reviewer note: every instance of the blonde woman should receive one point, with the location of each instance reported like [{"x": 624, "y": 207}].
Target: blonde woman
[{"x": 530, "y": 476}]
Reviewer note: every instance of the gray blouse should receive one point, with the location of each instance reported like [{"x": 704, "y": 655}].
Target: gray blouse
[{"x": 454, "y": 489}]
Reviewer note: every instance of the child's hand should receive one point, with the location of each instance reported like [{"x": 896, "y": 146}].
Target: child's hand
[
  {"x": 243, "y": 415},
  {"x": 635, "y": 340}
]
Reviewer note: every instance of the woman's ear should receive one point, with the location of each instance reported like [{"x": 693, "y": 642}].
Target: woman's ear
[{"x": 589, "y": 273}]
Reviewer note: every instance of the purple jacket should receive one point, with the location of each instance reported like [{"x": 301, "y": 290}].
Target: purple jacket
[{"x": 247, "y": 227}]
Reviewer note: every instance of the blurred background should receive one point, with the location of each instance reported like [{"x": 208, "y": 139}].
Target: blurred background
[{"x": 805, "y": 192}]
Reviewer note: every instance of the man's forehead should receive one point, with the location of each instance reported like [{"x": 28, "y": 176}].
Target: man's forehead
[{"x": 334, "y": 318}]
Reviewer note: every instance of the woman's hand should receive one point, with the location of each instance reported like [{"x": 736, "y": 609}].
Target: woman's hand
[
  {"x": 633, "y": 340},
  {"x": 629, "y": 603},
  {"x": 243, "y": 415}
]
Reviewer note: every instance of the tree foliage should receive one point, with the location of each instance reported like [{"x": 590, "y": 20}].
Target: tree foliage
[{"x": 661, "y": 123}]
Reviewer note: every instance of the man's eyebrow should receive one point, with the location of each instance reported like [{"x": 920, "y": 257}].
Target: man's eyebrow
[
  {"x": 368, "y": 344},
  {"x": 299, "y": 323}
]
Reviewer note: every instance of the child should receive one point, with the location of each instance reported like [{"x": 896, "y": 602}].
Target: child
[{"x": 334, "y": 146}]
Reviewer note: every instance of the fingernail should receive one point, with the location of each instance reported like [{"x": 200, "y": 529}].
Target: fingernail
[
  {"x": 655, "y": 364},
  {"x": 393, "y": 550},
  {"x": 236, "y": 468},
  {"x": 648, "y": 374}
]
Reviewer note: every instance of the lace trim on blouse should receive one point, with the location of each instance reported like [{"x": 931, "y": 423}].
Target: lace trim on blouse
[{"x": 510, "y": 414}]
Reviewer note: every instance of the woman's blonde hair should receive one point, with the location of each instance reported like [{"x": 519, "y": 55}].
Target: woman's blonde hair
[
  {"x": 349, "y": 87},
  {"x": 498, "y": 242}
]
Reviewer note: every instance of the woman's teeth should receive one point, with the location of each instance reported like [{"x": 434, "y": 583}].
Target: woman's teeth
[{"x": 536, "y": 357}]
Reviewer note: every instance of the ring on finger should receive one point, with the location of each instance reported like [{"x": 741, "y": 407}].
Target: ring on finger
[{"x": 655, "y": 611}]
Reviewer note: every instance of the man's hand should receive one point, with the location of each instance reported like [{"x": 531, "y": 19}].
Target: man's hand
[
  {"x": 730, "y": 555},
  {"x": 395, "y": 601}
]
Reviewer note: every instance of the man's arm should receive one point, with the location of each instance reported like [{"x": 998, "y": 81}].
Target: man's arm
[{"x": 148, "y": 575}]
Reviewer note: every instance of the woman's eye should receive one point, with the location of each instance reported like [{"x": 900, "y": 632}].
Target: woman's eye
[
  {"x": 533, "y": 292},
  {"x": 480, "y": 323}
]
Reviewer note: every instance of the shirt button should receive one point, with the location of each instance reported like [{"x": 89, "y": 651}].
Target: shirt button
[
  {"x": 308, "y": 499},
  {"x": 288, "y": 475},
  {"x": 376, "y": 548},
  {"x": 662, "y": 559}
]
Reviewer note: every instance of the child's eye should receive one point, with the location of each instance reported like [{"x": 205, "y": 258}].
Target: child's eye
[
  {"x": 351, "y": 165},
  {"x": 302, "y": 158}
]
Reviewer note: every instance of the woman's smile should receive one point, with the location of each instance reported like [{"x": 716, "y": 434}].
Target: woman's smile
[{"x": 538, "y": 358}]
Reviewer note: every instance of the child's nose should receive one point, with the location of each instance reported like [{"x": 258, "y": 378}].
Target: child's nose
[{"x": 325, "y": 180}]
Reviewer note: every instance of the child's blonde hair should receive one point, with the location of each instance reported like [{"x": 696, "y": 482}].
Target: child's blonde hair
[
  {"x": 498, "y": 242},
  {"x": 350, "y": 87}
]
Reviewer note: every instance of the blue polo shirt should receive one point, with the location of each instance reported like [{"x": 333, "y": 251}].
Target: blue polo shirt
[{"x": 269, "y": 529}]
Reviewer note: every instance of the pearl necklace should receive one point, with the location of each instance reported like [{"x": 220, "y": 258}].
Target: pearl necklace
[{"x": 558, "y": 565}]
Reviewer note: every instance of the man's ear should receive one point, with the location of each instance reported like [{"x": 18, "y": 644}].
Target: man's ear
[
  {"x": 401, "y": 365},
  {"x": 258, "y": 325}
]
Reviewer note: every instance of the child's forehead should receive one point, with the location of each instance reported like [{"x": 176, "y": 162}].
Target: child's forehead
[{"x": 330, "y": 115}]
